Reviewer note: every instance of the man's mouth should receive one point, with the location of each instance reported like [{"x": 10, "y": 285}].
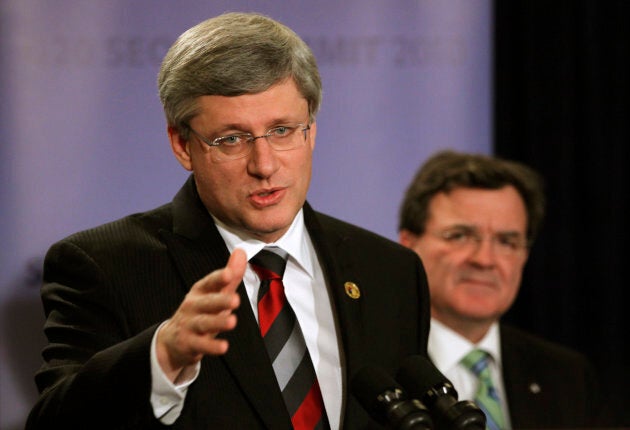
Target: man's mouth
[{"x": 267, "y": 197}]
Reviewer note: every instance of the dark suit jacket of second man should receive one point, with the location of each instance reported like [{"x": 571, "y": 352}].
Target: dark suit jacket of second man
[{"x": 549, "y": 386}]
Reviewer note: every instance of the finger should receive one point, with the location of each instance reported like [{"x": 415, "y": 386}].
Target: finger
[
  {"x": 209, "y": 345},
  {"x": 228, "y": 277},
  {"x": 235, "y": 269},
  {"x": 212, "y": 303},
  {"x": 182, "y": 342},
  {"x": 213, "y": 324}
]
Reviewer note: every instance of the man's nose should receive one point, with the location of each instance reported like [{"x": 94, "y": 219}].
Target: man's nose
[
  {"x": 263, "y": 159},
  {"x": 484, "y": 252}
]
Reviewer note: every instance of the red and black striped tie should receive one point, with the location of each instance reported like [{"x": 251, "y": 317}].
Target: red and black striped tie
[{"x": 285, "y": 343}]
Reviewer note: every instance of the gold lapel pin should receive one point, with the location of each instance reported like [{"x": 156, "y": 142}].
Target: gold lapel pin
[{"x": 352, "y": 290}]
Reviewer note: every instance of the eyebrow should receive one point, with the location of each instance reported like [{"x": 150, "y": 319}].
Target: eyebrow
[
  {"x": 240, "y": 128},
  {"x": 471, "y": 227}
]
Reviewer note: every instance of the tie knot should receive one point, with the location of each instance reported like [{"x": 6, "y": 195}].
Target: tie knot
[
  {"x": 270, "y": 262},
  {"x": 476, "y": 360}
]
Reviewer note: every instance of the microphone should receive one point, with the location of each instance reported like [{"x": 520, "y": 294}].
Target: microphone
[
  {"x": 425, "y": 382},
  {"x": 386, "y": 402}
]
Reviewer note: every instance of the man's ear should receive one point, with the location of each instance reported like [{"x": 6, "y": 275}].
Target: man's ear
[
  {"x": 313, "y": 134},
  {"x": 407, "y": 238},
  {"x": 180, "y": 147}
]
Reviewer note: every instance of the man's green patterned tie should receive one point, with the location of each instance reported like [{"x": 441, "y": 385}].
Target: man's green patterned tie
[{"x": 486, "y": 397}]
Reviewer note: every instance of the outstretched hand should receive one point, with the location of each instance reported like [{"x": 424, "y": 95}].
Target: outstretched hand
[{"x": 206, "y": 311}]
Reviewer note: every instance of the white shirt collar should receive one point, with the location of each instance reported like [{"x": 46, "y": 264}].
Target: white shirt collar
[
  {"x": 446, "y": 347},
  {"x": 294, "y": 241}
]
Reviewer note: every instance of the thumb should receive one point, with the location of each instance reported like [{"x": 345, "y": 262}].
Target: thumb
[{"x": 235, "y": 269}]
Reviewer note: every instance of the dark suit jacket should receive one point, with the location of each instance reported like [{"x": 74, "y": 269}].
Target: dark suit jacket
[
  {"x": 548, "y": 385},
  {"x": 107, "y": 289}
]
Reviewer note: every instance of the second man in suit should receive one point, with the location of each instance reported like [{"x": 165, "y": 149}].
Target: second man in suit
[{"x": 472, "y": 218}]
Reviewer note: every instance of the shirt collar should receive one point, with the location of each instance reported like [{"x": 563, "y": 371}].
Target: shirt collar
[
  {"x": 447, "y": 348},
  {"x": 294, "y": 241}
]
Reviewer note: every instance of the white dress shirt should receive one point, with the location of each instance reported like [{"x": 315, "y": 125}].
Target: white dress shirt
[
  {"x": 305, "y": 289},
  {"x": 447, "y": 348}
]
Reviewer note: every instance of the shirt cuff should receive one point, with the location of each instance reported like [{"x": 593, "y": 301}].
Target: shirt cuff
[{"x": 167, "y": 399}]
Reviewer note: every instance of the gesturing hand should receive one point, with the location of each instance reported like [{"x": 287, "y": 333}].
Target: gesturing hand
[{"x": 206, "y": 311}]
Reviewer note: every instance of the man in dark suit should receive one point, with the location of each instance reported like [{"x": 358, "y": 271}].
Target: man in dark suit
[
  {"x": 152, "y": 320},
  {"x": 472, "y": 219}
]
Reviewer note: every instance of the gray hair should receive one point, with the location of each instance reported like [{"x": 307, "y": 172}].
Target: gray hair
[
  {"x": 230, "y": 55},
  {"x": 449, "y": 170}
]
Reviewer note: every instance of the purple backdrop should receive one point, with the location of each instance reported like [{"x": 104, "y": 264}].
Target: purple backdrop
[{"x": 84, "y": 142}]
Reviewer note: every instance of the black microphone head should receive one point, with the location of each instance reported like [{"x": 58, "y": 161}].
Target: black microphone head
[
  {"x": 423, "y": 380},
  {"x": 384, "y": 399},
  {"x": 369, "y": 385}
]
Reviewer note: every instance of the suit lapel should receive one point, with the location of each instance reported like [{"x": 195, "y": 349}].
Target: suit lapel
[
  {"x": 194, "y": 243},
  {"x": 197, "y": 249},
  {"x": 522, "y": 386},
  {"x": 340, "y": 267}
]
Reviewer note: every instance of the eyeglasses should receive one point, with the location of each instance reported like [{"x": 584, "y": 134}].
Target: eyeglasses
[
  {"x": 238, "y": 145},
  {"x": 506, "y": 244}
]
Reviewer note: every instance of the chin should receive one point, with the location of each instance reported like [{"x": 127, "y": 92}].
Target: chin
[
  {"x": 276, "y": 219},
  {"x": 476, "y": 309},
  {"x": 268, "y": 232}
]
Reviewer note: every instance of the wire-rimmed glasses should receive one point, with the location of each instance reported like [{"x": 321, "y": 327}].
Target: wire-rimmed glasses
[
  {"x": 238, "y": 145},
  {"x": 508, "y": 243}
]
